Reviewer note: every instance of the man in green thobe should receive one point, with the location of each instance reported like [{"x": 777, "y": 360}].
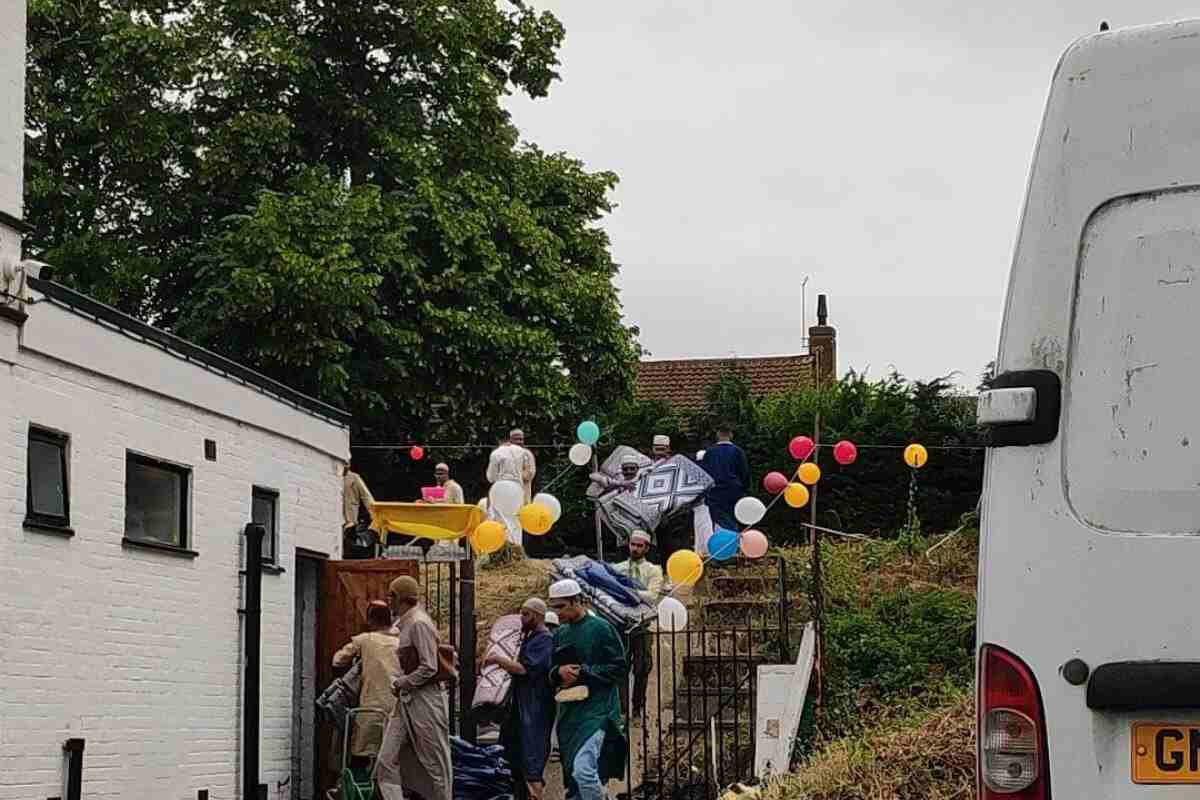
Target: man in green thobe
[{"x": 588, "y": 660}]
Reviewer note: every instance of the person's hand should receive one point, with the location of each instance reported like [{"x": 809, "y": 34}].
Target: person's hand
[
  {"x": 569, "y": 674},
  {"x": 491, "y": 658}
]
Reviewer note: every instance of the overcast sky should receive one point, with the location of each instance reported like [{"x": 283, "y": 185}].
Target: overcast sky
[{"x": 880, "y": 148}]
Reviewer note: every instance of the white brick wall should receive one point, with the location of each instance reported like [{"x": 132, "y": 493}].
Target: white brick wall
[
  {"x": 12, "y": 105},
  {"x": 135, "y": 651}
]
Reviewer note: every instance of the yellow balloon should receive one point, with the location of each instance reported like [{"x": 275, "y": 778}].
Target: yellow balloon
[
  {"x": 809, "y": 473},
  {"x": 488, "y": 536},
  {"x": 535, "y": 518},
  {"x": 915, "y": 456},
  {"x": 685, "y": 566},
  {"x": 796, "y": 495}
]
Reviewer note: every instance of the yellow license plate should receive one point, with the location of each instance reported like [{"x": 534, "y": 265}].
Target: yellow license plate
[{"x": 1166, "y": 753}]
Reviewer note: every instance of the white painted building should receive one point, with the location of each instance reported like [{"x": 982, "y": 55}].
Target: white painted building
[{"x": 130, "y": 462}]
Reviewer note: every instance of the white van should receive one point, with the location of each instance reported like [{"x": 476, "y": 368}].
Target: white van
[{"x": 1089, "y": 583}]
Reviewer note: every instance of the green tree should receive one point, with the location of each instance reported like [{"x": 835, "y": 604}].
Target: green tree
[{"x": 333, "y": 193}]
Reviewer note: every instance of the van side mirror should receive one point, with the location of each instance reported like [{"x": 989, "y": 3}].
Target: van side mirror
[{"x": 1021, "y": 408}]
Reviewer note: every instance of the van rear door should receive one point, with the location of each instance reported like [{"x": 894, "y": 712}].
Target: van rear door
[{"x": 1090, "y": 554}]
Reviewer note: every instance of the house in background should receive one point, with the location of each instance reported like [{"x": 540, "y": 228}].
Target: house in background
[
  {"x": 130, "y": 463},
  {"x": 683, "y": 383}
]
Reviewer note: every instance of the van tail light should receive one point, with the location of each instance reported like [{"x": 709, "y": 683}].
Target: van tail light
[{"x": 1012, "y": 730}]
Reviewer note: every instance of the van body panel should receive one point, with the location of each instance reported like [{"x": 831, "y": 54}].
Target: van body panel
[{"x": 1089, "y": 545}]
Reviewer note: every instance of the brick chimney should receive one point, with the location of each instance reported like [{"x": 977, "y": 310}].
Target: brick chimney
[{"x": 822, "y": 344}]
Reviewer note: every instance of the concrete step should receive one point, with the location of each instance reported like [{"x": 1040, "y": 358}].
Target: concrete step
[
  {"x": 703, "y": 705},
  {"x": 728, "y": 668}
]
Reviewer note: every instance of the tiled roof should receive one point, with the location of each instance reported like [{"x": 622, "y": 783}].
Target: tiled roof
[{"x": 682, "y": 383}]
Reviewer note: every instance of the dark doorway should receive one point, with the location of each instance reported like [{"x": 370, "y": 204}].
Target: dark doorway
[{"x": 304, "y": 676}]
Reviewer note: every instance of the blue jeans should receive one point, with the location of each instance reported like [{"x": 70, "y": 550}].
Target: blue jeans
[{"x": 586, "y": 768}]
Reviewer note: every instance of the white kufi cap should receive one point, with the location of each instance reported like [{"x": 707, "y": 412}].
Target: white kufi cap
[
  {"x": 665, "y": 441},
  {"x": 567, "y": 587},
  {"x": 640, "y": 536}
]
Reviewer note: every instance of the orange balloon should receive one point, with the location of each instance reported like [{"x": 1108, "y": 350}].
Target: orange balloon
[
  {"x": 809, "y": 473},
  {"x": 796, "y": 495}
]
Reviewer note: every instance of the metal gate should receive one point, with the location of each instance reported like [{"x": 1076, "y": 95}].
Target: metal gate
[{"x": 695, "y": 734}]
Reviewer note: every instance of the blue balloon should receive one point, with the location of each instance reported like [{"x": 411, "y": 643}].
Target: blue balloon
[
  {"x": 588, "y": 432},
  {"x": 723, "y": 544}
]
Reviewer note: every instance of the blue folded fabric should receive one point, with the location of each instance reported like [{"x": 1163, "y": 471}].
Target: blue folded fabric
[
  {"x": 480, "y": 773},
  {"x": 602, "y": 577}
]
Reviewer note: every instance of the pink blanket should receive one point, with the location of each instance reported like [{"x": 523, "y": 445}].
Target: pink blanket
[{"x": 492, "y": 688}]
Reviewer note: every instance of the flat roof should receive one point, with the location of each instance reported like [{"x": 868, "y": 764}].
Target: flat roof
[{"x": 184, "y": 350}]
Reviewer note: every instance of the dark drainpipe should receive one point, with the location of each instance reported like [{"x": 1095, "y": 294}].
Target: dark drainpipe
[
  {"x": 251, "y": 699},
  {"x": 73, "y": 756}
]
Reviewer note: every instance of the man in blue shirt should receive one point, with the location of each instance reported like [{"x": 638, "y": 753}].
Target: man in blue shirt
[{"x": 726, "y": 463}]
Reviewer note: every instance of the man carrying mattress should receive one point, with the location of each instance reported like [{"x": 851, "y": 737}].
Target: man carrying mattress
[
  {"x": 526, "y": 731},
  {"x": 588, "y": 667}
]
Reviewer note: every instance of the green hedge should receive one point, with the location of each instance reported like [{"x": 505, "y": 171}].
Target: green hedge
[{"x": 869, "y": 496}]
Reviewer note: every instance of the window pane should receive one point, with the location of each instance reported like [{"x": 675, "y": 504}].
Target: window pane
[
  {"x": 263, "y": 512},
  {"x": 153, "y": 502},
  {"x": 46, "y": 479}
]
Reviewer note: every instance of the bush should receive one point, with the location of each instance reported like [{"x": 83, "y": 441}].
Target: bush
[
  {"x": 902, "y": 641},
  {"x": 889, "y": 652},
  {"x": 868, "y": 496}
]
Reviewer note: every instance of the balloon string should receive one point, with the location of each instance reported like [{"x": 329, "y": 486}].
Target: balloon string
[
  {"x": 482, "y": 446},
  {"x": 554, "y": 481},
  {"x": 694, "y": 576}
]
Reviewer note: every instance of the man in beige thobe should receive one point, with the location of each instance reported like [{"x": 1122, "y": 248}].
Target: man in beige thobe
[
  {"x": 454, "y": 492},
  {"x": 355, "y": 495},
  {"x": 416, "y": 745}
]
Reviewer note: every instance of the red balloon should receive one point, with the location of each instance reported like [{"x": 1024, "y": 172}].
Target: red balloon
[
  {"x": 775, "y": 482},
  {"x": 801, "y": 447},
  {"x": 845, "y": 452},
  {"x": 417, "y": 452}
]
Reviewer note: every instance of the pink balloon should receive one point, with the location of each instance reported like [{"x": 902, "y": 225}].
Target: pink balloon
[
  {"x": 775, "y": 482},
  {"x": 801, "y": 447},
  {"x": 845, "y": 452},
  {"x": 754, "y": 544}
]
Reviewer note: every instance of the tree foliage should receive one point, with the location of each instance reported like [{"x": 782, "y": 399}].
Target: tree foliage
[{"x": 333, "y": 193}]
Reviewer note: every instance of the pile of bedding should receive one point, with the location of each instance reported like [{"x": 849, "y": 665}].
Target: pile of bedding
[
  {"x": 613, "y": 596},
  {"x": 663, "y": 491}
]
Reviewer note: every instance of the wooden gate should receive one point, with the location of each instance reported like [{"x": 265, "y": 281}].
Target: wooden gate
[{"x": 347, "y": 587}]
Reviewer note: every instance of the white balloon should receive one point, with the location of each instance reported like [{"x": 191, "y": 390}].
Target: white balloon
[
  {"x": 672, "y": 615},
  {"x": 580, "y": 454},
  {"x": 749, "y": 510},
  {"x": 550, "y": 502},
  {"x": 507, "y": 497}
]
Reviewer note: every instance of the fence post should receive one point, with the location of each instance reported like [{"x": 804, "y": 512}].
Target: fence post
[{"x": 466, "y": 645}]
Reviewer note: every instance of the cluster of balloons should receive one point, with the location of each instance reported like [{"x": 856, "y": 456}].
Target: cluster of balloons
[
  {"x": 507, "y": 498},
  {"x": 685, "y": 567},
  {"x": 588, "y": 433}
]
